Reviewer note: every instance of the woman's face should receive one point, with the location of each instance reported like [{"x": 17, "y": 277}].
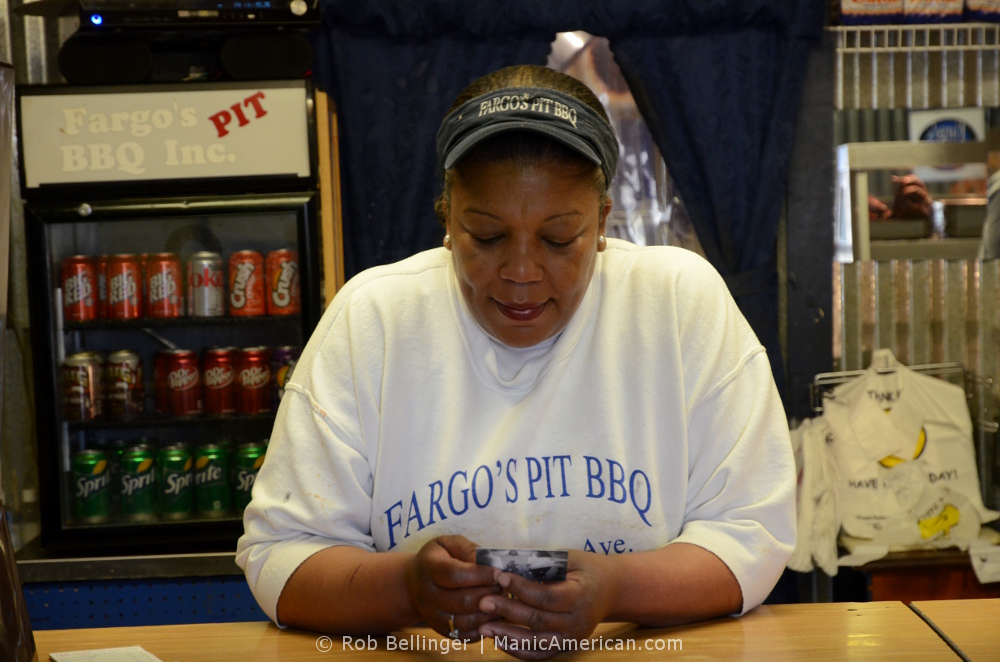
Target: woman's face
[{"x": 524, "y": 244}]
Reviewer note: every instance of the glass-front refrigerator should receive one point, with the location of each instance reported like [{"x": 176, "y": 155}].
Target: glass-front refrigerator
[{"x": 173, "y": 258}]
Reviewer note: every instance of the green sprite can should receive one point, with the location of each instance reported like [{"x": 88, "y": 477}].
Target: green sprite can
[
  {"x": 249, "y": 457},
  {"x": 138, "y": 483},
  {"x": 91, "y": 487},
  {"x": 174, "y": 482},
  {"x": 211, "y": 480}
]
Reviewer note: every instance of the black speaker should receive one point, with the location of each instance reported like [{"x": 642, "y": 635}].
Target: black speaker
[
  {"x": 102, "y": 59},
  {"x": 266, "y": 55}
]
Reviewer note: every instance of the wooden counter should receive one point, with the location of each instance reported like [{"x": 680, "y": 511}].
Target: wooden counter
[
  {"x": 972, "y": 625},
  {"x": 873, "y": 631}
]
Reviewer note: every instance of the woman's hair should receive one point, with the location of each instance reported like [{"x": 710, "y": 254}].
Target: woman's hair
[{"x": 524, "y": 148}]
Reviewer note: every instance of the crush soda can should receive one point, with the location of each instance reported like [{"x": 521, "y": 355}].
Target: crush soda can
[
  {"x": 253, "y": 380},
  {"x": 211, "y": 480},
  {"x": 219, "y": 377},
  {"x": 78, "y": 278},
  {"x": 205, "y": 287},
  {"x": 282, "y": 363},
  {"x": 138, "y": 496},
  {"x": 164, "y": 293},
  {"x": 183, "y": 383},
  {"x": 91, "y": 487},
  {"x": 249, "y": 458},
  {"x": 83, "y": 387},
  {"x": 283, "y": 296},
  {"x": 246, "y": 284},
  {"x": 123, "y": 384},
  {"x": 174, "y": 482},
  {"x": 124, "y": 287}
]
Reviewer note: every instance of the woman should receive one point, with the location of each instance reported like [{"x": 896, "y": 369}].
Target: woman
[{"x": 528, "y": 385}]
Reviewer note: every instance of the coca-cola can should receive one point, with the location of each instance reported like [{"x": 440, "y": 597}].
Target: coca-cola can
[
  {"x": 101, "y": 267},
  {"x": 161, "y": 366},
  {"x": 219, "y": 377},
  {"x": 82, "y": 384},
  {"x": 78, "y": 278},
  {"x": 184, "y": 383},
  {"x": 124, "y": 287},
  {"x": 283, "y": 297},
  {"x": 246, "y": 284},
  {"x": 123, "y": 385},
  {"x": 206, "y": 293},
  {"x": 164, "y": 291},
  {"x": 253, "y": 379},
  {"x": 283, "y": 361}
]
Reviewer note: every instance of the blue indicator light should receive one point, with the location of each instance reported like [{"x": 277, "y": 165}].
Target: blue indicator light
[{"x": 96, "y": 19}]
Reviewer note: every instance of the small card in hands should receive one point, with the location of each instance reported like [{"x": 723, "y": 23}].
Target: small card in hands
[{"x": 535, "y": 564}]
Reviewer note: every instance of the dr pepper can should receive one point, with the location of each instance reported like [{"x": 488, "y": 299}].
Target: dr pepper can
[
  {"x": 283, "y": 297},
  {"x": 219, "y": 377},
  {"x": 183, "y": 383},
  {"x": 246, "y": 284},
  {"x": 253, "y": 378}
]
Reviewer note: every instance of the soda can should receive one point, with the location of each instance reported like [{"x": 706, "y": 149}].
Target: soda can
[
  {"x": 174, "y": 480},
  {"x": 219, "y": 377},
  {"x": 164, "y": 291},
  {"x": 183, "y": 383},
  {"x": 123, "y": 384},
  {"x": 211, "y": 480},
  {"x": 246, "y": 284},
  {"x": 253, "y": 379},
  {"x": 249, "y": 458},
  {"x": 125, "y": 284},
  {"x": 101, "y": 269},
  {"x": 283, "y": 361},
  {"x": 283, "y": 296},
  {"x": 205, "y": 288},
  {"x": 92, "y": 487},
  {"x": 78, "y": 278},
  {"x": 83, "y": 387},
  {"x": 138, "y": 494}
]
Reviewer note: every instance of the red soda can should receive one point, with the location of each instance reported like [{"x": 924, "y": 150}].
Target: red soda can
[
  {"x": 219, "y": 376},
  {"x": 164, "y": 294},
  {"x": 101, "y": 267},
  {"x": 253, "y": 379},
  {"x": 283, "y": 297},
  {"x": 183, "y": 383},
  {"x": 78, "y": 277},
  {"x": 124, "y": 287},
  {"x": 246, "y": 284},
  {"x": 161, "y": 366}
]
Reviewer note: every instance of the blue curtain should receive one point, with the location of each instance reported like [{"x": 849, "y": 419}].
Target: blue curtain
[{"x": 718, "y": 82}]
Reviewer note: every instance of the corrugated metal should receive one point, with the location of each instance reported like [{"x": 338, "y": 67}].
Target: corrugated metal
[{"x": 928, "y": 311}]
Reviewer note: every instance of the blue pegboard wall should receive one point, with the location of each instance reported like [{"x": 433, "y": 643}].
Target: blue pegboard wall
[{"x": 102, "y": 604}]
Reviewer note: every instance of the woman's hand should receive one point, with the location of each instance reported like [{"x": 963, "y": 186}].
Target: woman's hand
[
  {"x": 541, "y": 616},
  {"x": 446, "y": 586}
]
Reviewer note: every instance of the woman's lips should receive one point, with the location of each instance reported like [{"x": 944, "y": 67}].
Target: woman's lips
[{"x": 521, "y": 312}]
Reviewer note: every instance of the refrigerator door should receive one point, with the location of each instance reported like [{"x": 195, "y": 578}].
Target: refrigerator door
[{"x": 164, "y": 332}]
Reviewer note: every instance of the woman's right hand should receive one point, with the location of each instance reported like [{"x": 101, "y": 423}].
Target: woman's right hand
[{"x": 444, "y": 583}]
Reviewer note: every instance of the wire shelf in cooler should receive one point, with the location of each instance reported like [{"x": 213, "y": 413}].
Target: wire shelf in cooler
[
  {"x": 163, "y": 421},
  {"x": 177, "y": 322}
]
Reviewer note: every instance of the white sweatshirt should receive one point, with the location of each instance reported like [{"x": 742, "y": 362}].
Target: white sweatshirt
[{"x": 651, "y": 418}]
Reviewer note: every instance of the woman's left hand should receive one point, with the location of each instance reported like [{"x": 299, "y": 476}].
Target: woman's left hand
[{"x": 542, "y": 616}]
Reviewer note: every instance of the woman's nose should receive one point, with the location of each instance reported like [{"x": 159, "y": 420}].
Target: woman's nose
[{"x": 522, "y": 262}]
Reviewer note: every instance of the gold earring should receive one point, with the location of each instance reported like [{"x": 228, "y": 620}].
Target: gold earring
[{"x": 447, "y": 241}]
